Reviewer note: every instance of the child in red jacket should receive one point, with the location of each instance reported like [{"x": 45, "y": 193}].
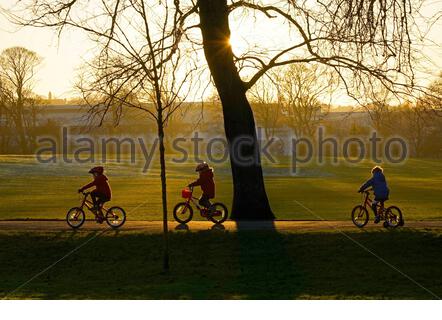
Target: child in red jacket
[
  {"x": 102, "y": 192},
  {"x": 206, "y": 182}
]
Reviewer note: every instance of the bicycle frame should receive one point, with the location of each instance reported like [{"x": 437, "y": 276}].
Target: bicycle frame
[
  {"x": 192, "y": 199},
  {"x": 368, "y": 203},
  {"x": 201, "y": 209},
  {"x": 89, "y": 204}
]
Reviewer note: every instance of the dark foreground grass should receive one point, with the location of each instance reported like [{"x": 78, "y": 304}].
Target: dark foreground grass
[{"x": 222, "y": 265}]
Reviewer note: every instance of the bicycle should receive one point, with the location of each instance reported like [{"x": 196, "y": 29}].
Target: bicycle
[
  {"x": 183, "y": 211},
  {"x": 114, "y": 216},
  {"x": 392, "y": 215}
]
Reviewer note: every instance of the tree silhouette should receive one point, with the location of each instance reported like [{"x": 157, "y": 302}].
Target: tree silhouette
[
  {"x": 364, "y": 42},
  {"x": 17, "y": 71},
  {"x": 303, "y": 93}
]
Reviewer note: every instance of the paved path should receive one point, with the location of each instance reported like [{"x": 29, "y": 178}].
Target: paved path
[{"x": 156, "y": 226}]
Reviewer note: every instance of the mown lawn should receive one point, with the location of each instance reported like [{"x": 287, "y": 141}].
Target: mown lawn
[
  {"x": 32, "y": 190},
  {"x": 218, "y": 264}
]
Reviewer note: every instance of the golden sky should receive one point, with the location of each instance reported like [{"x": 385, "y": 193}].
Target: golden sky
[{"x": 63, "y": 56}]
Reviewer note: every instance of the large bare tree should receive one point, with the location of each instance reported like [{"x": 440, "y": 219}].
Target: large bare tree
[
  {"x": 364, "y": 41},
  {"x": 17, "y": 75},
  {"x": 150, "y": 74},
  {"x": 305, "y": 93}
]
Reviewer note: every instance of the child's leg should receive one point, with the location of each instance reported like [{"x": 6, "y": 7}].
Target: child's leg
[
  {"x": 94, "y": 197},
  {"x": 374, "y": 205},
  {"x": 375, "y": 209},
  {"x": 204, "y": 201},
  {"x": 97, "y": 199}
]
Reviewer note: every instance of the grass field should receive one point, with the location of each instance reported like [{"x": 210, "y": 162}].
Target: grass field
[
  {"x": 32, "y": 190},
  {"x": 223, "y": 265}
]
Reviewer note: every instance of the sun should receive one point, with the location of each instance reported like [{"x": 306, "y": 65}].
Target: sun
[{"x": 238, "y": 44}]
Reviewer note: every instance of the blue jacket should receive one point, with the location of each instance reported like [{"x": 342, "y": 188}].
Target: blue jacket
[{"x": 379, "y": 185}]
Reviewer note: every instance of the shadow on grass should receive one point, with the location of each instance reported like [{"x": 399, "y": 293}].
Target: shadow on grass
[
  {"x": 217, "y": 264},
  {"x": 266, "y": 269}
]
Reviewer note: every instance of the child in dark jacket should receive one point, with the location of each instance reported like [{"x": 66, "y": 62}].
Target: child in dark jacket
[
  {"x": 206, "y": 182},
  {"x": 380, "y": 189},
  {"x": 102, "y": 192}
]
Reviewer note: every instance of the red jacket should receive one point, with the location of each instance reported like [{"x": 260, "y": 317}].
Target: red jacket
[
  {"x": 101, "y": 185},
  {"x": 206, "y": 182}
]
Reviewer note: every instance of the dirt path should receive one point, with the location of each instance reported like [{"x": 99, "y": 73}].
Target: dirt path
[{"x": 156, "y": 226}]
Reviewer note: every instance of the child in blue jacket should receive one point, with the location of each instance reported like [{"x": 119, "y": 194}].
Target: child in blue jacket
[{"x": 380, "y": 189}]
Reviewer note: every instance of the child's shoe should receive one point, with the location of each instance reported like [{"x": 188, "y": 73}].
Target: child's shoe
[
  {"x": 377, "y": 219},
  {"x": 99, "y": 218}
]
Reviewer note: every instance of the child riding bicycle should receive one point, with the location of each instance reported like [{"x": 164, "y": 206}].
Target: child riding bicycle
[
  {"x": 102, "y": 192},
  {"x": 380, "y": 189},
  {"x": 206, "y": 182},
  {"x": 215, "y": 212}
]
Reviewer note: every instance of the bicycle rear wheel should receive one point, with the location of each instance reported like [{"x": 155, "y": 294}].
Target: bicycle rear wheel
[
  {"x": 393, "y": 217},
  {"x": 218, "y": 213},
  {"x": 75, "y": 217},
  {"x": 115, "y": 217},
  {"x": 359, "y": 216}
]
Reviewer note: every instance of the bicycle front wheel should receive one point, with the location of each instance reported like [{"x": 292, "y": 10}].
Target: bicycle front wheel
[
  {"x": 183, "y": 212},
  {"x": 359, "y": 216},
  {"x": 115, "y": 217},
  {"x": 218, "y": 213},
  {"x": 393, "y": 217},
  {"x": 75, "y": 217}
]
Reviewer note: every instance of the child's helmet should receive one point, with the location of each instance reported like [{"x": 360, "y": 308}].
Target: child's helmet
[
  {"x": 202, "y": 167},
  {"x": 98, "y": 170},
  {"x": 377, "y": 169}
]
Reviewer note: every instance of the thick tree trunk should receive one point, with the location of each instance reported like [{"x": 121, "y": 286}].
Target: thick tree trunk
[{"x": 250, "y": 200}]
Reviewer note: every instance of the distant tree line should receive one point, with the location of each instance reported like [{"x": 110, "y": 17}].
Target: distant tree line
[
  {"x": 294, "y": 98},
  {"x": 298, "y": 98}
]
